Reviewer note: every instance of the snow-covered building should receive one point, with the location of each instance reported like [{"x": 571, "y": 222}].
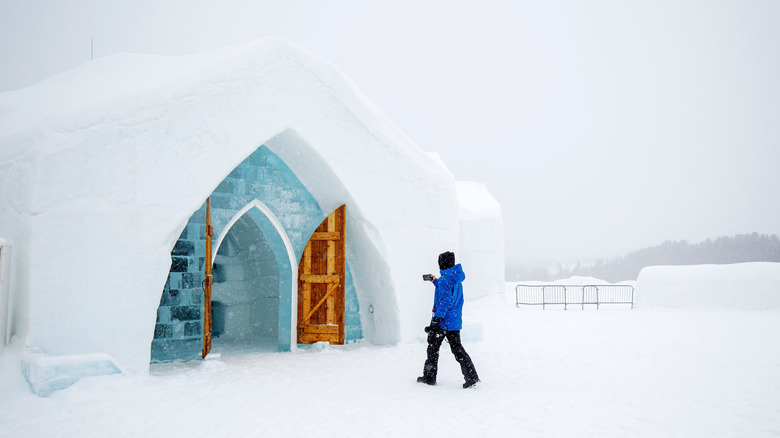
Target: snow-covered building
[{"x": 323, "y": 214}]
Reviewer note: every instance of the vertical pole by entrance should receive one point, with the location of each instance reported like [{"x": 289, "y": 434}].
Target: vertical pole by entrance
[{"x": 207, "y": 284}]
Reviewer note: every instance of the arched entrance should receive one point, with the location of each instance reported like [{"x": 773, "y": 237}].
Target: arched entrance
[
  {"x": 245, "y": 295},
  {"x": 261, "y": 210},
  {"x": 252, "y": 295}
]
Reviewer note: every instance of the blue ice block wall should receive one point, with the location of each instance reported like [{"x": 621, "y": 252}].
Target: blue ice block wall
[
  {"x": 352, "y": 328},
  {"x": 265, "y": 177}
]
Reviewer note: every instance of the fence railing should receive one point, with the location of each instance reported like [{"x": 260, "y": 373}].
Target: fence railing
[{"x": 565, "y": 295}]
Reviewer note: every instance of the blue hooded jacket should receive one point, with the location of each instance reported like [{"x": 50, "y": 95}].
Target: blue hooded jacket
[{"x": 448, "y": 299}]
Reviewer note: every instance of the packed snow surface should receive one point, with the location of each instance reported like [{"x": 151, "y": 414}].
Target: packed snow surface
[{"x": 614, "y": 372}]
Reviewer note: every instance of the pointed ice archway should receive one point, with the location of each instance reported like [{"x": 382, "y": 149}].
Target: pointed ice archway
[{"x": 282, "y": 249}]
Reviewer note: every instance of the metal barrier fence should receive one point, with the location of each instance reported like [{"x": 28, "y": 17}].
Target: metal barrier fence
[{"x": 559, "y": 294}]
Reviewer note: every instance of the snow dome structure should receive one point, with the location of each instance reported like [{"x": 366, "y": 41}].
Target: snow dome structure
[{"x": 323, "y": 214}]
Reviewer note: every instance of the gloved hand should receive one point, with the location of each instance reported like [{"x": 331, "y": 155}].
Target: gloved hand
[{"x": 434, "y": 325}]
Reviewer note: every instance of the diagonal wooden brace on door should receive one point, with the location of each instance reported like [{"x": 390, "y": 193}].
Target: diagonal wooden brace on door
[
  {"x": 321, "y": 283},
  {"x": 334, "y": 284}
]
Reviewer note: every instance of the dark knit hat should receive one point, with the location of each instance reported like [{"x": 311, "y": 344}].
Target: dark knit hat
[{"x": 446, "y": 260}]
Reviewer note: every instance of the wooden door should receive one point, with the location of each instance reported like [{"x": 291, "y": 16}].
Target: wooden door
[
  {"x": 321, "y": 283},
  {"x": 207, "y": 282}
]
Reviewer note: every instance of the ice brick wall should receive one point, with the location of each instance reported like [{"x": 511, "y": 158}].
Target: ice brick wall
[
  {"x": 178, "y": 333},
  {"x": 262, "y": 176}
]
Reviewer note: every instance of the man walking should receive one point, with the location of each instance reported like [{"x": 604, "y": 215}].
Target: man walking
[{"x": 447, "y": 321}]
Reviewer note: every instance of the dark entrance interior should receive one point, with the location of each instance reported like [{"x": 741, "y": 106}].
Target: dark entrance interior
[{"x": 246, "y": 291}]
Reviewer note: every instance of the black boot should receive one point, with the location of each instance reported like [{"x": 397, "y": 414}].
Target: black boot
[
  {"x": 470, "y": 383},
  {"x": 422, "y": 379}
]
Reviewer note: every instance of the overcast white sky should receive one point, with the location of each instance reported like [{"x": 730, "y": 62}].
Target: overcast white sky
[{"x": 601, "y": 127}]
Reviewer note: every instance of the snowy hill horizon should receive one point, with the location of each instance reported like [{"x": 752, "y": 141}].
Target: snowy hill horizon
[{"x": 739, "y": 248}]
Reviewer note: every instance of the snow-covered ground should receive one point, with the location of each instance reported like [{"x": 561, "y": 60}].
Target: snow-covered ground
[{"x": 615, "y": 372}]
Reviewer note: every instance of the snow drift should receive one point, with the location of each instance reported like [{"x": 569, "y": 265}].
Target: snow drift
[{"x": 736, "y": 286}]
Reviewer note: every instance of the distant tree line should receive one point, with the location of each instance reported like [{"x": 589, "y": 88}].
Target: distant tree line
[{"x": 723, "y": 250}]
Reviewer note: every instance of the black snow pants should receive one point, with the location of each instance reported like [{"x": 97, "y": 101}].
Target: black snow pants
[{"x": 435, "y": 338}]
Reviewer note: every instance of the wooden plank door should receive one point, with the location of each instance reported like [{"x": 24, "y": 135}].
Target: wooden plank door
[
  {"x": 321, "y": 283},
  {"x": 207, "y": 284}
]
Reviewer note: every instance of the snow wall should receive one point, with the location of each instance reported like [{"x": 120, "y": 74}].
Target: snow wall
[
  {"x": 481, "y": 240},
  {"x": 102, "y": 166},
  {"x": 736, "y": 286}
]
